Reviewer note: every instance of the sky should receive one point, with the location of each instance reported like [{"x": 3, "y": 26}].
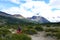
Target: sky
[{"x": 50, "y": 9}]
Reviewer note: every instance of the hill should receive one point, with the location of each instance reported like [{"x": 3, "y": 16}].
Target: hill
[
  {"x": 10, "y": 20},
  {"x": 39, "y": 19}
]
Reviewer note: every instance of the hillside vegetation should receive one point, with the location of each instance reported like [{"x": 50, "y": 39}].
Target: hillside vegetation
[{"x": 8, "y": 25}]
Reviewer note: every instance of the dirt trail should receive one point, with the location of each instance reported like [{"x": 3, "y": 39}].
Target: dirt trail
[{"x": 40, "y": 36}]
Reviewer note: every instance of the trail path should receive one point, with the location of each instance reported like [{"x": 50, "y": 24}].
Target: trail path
[{"x": 40, "y": 36}]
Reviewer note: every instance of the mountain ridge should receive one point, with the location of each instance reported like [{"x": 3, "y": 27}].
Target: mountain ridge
[{"x": 39, "y": 19}]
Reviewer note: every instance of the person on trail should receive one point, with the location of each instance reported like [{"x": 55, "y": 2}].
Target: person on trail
[{"x": 19, "y": 29}]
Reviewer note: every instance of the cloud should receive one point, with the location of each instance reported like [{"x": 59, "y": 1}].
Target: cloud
[
  {"x": 51, "y": 1},
  {"x": 37, "y": 7},
  {"x": 12, "y": 10},
  {"x": 31, "y": 8},
  {"x": 15, "y": 1},
  {"x": 19, "y": 1},
  {"x": 55, "y": 3},
  {"x": 17, "y": 10}
]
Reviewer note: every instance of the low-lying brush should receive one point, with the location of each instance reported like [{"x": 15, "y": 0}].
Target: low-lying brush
[
  {"x": 30, "y": 31},
  {"x": 39, "y": 28}
]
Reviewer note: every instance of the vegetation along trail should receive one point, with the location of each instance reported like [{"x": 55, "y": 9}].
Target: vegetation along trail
[{"x": 40, "y": 36}]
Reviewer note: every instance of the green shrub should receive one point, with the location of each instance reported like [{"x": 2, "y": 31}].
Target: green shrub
[
  {"x": 20, "y": 37},
  {"x": 58, "y": 35},
  {"x": 48, "y": 30},
  {"x": 30, "y": 31},
  {"x": 47, "y": 25},
  {"x": 16, "y": 37},
  {"x": 48, "y": 34},
  {"x": 51, "y": 30},
  {"x": 39, "y": 28},
  {"x": 29, "y": 27},
  {"x": 1, "y": 39},
  {"x": 4, "y": 32}
]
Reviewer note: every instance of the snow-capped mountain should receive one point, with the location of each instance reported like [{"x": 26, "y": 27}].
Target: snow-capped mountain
[{"x": 39, "y": 19}]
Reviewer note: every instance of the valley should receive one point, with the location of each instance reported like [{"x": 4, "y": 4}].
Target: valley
[{"x": 13, "y": 28}]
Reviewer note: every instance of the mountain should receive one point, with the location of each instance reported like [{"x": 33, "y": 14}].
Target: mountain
[
  {"x": 18, "y": 16},
  {"x": 8, "y": 15},
  {"x": 39, "y": 19},
  {"x": 7, "y": 19},
  {"x": 5, "y": 14},
  {"x": 19, "y": 19}
]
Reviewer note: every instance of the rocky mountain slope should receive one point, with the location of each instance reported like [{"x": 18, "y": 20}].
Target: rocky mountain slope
[{"x": 38, "y": 19}]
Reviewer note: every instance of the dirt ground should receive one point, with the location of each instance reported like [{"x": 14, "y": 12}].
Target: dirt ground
[{"x": 40, "y": 36}]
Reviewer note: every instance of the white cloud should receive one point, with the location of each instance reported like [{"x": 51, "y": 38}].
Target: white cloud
[
  {"x": 15, "y": 1},
  {"x": 19, "y": 1},
  {"x": 52, "y": 1},
  {"x": 36, "y": 7},
  {"x": 12, "y": 10},
  {"x": 17, "y": 10},
  {"x": 55, "y": 3},
  {"x": 28, "y": 0},
  {"x": 39, "y": 7},
  {"x": 57, "y": 13},
  {"x": 44, "y": 10}
]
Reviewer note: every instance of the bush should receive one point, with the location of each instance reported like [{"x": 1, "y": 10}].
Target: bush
[
  {"x": 4, "y": 32},
  {"x": 48, "y": 34},
  {"x": 1, "y": 39},
  {"x": 58, "y": 35},
  {"x": 30, "y": 31},
  {"x": 20, "y": 37},
  {"x": 16, "y": 37},
  {"x": 47, "y": 25},
  {"x": 51, "y": 30},
  {"x": 29, "y": 27},
  {"x": 39, "y": 28}
]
